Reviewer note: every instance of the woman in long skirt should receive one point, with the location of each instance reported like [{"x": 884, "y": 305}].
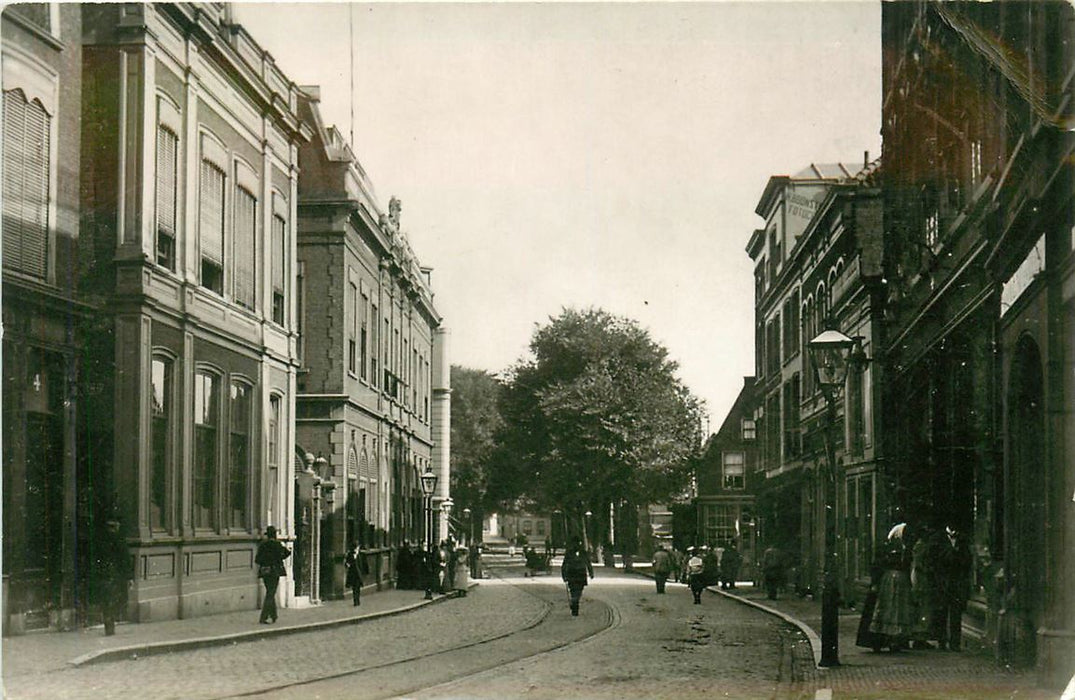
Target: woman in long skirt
[{"x": 893, "y": 618}]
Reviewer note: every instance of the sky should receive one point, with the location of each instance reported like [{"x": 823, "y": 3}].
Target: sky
[{"x": 610, "y": 155}]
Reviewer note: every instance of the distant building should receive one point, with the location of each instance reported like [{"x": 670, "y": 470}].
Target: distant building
[
  {"x": 728, "y": 479},
  {"x": 812, "y": 260},
  {"x": 373, "y": 372}
]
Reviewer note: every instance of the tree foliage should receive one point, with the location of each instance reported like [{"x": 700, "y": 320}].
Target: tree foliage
[
  {"x": 475, "y": 424},
  {"x": 595, "y": 416}
]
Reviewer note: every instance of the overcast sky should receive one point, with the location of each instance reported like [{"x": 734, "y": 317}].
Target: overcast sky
[{"x": 607, "y": 155}]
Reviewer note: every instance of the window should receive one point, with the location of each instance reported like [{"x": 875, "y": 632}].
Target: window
[
  {"x": 975, "y": 162},
  {"x": 279, "y": 255},
  {"x": 373, "y": 344},
  {"x": 206, "y": 440},
  {"x": 300, "y": 306},
  {"x": 167, "y": 179},
  {"x": 239, "y": 457},
  {"x": 161, "y": 441},
  {"x": 273, "y": 456},
  {"x": 792, "y": 432},
  {"x": 243, "y": 251},
  {"x": 733, "y": 469},
  {"x": 750, "y": 430},
  {"x": 26, "y": 185},
  {"x": 211, "y": 226},
  {"x": 540, "y": 524},
  {"x": 352, "y": 338},
  {"x": 720, "y": 524},
  {"x": 363, "y": 337}
]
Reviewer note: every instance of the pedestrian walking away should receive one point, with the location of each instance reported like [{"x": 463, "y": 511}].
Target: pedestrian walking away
[
  {"x": 696, "y": 574},
  {"x": 112, "y": 573},
  {"x": 576, "y": 570},
  {"x": 270, "y": 561},
  {"x": 662, "y": 567},
  {"x": 730, "y": 562},
  {"x": 353, "y": 562}
]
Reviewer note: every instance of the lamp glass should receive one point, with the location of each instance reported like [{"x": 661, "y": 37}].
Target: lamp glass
[
  {"x": 429, "y": 482},
  {"x": 829, "y": 353}
]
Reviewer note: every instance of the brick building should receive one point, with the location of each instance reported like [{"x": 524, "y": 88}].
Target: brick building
[
  {"x": 820, "y": 245},
  {"x": 728, "y": 478},
  {"x": 374, "y": 378}
]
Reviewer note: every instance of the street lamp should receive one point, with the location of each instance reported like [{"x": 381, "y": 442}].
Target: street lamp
[
  {"x": 585, "y": 532},
  {"x": 428, "y": 481},
  {"x": 829, "y": 353}
]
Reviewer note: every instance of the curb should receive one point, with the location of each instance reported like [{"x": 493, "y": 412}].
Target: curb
[
  {"x": 155, "y": 648},
  {"x": 811, "y": 635}
]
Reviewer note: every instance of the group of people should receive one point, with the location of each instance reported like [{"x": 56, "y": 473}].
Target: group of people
[{"x": 919, "y": 588}]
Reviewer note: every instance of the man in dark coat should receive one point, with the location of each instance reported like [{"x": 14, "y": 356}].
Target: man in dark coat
[
  {"x": 576, "y": 571},
  {"x": 954, "y": 568},
  {"x": 270, "y": 562},
  {"x": 353, "y": 563},
  {"x": 113, "y": 572},
  {"x": 729, "y": 566}
]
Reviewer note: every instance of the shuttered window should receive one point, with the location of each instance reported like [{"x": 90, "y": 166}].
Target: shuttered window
[
  {"x": 211, "y": 226},
  {"x": 167, "y": 150},
  {"x": 243, "y": 252},
  {"x": 279, "y": 254},
  {"x": 26, "y": 185}
]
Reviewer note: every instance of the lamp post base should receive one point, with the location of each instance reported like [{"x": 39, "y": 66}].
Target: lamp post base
[{"x": 830, "y": 626}]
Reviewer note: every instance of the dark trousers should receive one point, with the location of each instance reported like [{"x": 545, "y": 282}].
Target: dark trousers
[
  {"x": 697, "y": 583},
  {"x": 949, "y": 624},
  {"x": 575, "y": 590},
  {"x": 356, "y": 593},
  {"x": 661, "y": 579},
  {"x": 110, "y": 611},
  {"x": 268, "y": 608}
]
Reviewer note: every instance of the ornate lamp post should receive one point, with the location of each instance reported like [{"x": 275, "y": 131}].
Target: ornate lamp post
[
  {"x": 428, "y": 481},
  {"x": 829, "y": 353}
]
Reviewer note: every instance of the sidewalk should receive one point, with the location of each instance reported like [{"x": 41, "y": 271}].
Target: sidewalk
[
  {"x": 970, "y": 673},
  {"x": 41, "y": 652}
]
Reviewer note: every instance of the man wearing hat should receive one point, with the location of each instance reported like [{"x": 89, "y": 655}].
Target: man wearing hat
[{"x": 270, "y": 560}]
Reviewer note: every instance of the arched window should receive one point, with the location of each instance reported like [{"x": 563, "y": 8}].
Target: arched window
[
  {"x": 161, "y": 426},
  {"x": 207, "y": 428},
  {"x": 239, "y": 452}
]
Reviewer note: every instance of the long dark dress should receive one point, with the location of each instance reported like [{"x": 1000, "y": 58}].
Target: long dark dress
[{"x": 894, "y": 615}]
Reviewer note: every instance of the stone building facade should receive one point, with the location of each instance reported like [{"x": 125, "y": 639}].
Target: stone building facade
[
  {"x": 189, "y": 180},
  {"x": 978, "y": 141},
  {"x": 373, "y": 389}
]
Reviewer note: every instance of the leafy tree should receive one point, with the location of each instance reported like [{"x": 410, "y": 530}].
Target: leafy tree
[
  {"x": 595, "y": 416},
  {"x": 475, "y": 422}
]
